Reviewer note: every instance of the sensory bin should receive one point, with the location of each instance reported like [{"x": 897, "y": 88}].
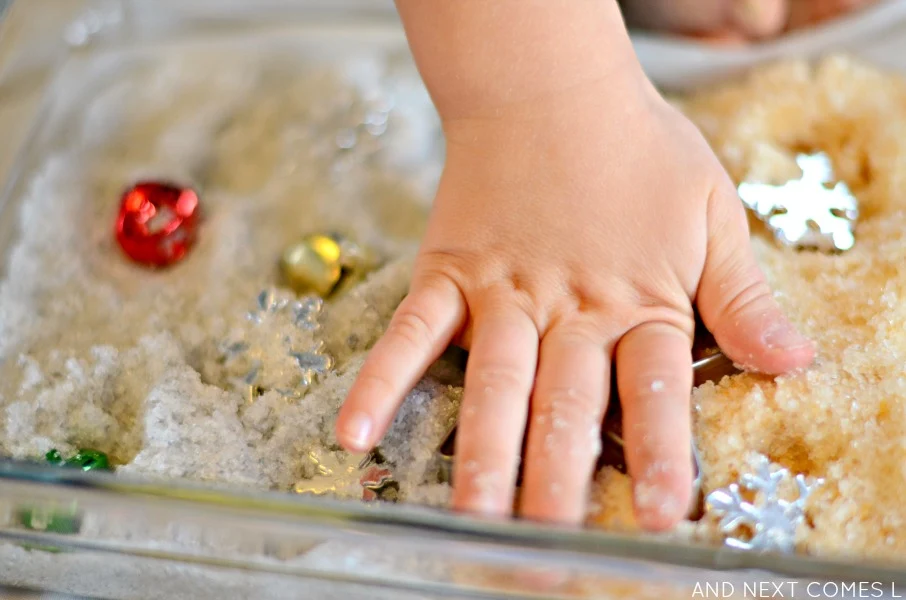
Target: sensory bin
[{"x": 212, "y": 370}]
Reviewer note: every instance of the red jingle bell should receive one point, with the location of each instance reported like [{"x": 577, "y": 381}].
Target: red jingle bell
[{"x": 157, "y": 223}]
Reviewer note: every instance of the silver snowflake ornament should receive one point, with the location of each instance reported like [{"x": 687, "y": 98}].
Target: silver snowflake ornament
[
  {"x": 814, "y": 211},
  {"x": 276, "y": 348},
  {"x": 769, "y": 522},
  {"x": 304, "y": 312}
]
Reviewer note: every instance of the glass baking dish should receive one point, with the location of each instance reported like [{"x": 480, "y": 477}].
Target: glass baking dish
[{"x": 122, "y": 537}]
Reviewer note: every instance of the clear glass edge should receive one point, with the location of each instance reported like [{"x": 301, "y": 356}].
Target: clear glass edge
[
  {"x": 414, "y": 523},
  {"x": 397, "y": 521}
]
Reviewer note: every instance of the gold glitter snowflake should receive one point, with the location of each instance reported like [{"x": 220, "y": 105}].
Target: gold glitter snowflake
[{"x": 343, "y": 474}]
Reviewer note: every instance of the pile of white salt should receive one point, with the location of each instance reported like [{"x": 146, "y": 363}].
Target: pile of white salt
[{"x": 98, "y": 352}]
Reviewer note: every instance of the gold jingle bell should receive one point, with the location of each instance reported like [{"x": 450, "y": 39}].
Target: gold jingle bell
[{"x": 324, "y": 264}]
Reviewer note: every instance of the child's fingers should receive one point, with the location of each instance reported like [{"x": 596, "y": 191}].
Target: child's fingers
[
  {"x": 751, "y": 18},
  {"x": 735, "y": 301},
  {"x": 499, "y": 376},
  {"x": 681, "y": 16},
  {"x": 565, "y": 431},
  {"x": 654, "y": 377},
  {"x": 420, "y": 330}
]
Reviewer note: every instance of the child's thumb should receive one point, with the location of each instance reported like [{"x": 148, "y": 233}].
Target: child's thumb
[{"x": 735, "y": 300}]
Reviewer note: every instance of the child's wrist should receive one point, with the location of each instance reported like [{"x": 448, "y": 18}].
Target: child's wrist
[
  {"x": 551, "y": 103},
  {"x": 482, "y": 59}
]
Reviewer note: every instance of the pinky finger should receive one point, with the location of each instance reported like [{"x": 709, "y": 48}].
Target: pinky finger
[{"x": 420, "y": 330}]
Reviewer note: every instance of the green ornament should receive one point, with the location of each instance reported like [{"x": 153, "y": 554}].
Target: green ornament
[
  {"x": 54, "y": 458},
  {"x": 50, "y": 520},
  {"x": 65, "y": 520},
  {"x": 89, "y": 460},
  {"x": 85, "y": 459}
]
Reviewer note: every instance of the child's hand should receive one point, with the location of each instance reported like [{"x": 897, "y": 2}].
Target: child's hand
[
  {"x": 734, "y": 20},
  {"x": 572, "y": 229}
]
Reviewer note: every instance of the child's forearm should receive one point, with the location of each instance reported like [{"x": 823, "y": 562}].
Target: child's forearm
[{"x": 481, "y": 57}]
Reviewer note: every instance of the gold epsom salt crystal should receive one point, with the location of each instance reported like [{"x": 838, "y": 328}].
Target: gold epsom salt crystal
[{"x": 324, "y": 264}]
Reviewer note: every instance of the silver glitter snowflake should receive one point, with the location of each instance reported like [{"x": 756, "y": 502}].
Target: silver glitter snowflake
[
  {"x": 342, "y": 474},
  {"x": 277, "y": 349},
  {"x": 813, "y": 211},
  {"x": 769, "y": 523}
]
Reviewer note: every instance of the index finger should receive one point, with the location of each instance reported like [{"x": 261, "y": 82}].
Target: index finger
[{"x": 420, "y": 330}]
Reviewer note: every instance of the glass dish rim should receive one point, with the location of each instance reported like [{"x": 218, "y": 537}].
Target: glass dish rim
[
  {"x": 402, "y": 520},
  {"x": 417, "y": 521}
]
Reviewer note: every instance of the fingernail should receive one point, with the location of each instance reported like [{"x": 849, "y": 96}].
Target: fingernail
[
  {"x": 782, "y": 335},
  {"x": 749, "y": 10},
  {"x": 746, "y": 14},
  {"x": 357, "y": 430},
  {"x": 759, "y": 17}
]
